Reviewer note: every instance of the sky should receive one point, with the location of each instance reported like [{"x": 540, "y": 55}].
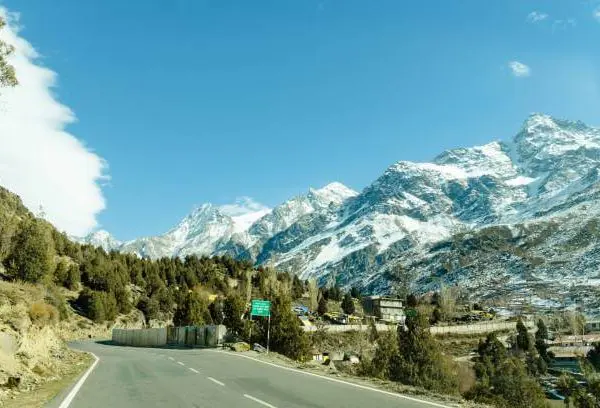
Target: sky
[{"x": 129, "y": 114}]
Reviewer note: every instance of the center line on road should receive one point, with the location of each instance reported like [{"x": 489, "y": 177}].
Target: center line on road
[
  {"x": 215, "y": 381},
  {"x": 266, "y": 404},
  {"x": 196, "y": 371},
  {"x": 180, "y": 363}
]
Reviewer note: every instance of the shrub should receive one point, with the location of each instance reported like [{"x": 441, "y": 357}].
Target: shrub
[
  {"x": 56, "y": 299},
  {"x": 42, "y": 314}
]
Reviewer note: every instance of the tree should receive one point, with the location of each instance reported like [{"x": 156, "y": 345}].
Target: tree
[
  {"x": 446, "y": 301},
  {"x": 149, "y": 307},
  {"x": 234, "y": 307},
  {"x": 503, "y": 380},
  {"x": 411, "y": 300},
  {"x": 335, "y": 293},
  {"x": 313, "y": 294},
  {"x": 355, "y": 292},
  {"x": 7, "y": 71},
  {"x": 348, "y": 304},
  {"x": 33, "y": 253},
  {"x": 593, "y": 356},
  {"x": 287, "y": 337},
  {"x": 216, "y": 311},
  {"x": 297, "y": 287},
  {"x": 383, "y": 363},
  {"x": 193, "y": 311},
  {"x": 322, "y": 309},
  {"x": 541, "y": 335},
  {"x": 419, "y": 361},
  {"x": 523, "y": 340}
]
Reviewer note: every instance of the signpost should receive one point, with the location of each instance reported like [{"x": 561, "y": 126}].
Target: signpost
[{"x": 262, "y": 308}]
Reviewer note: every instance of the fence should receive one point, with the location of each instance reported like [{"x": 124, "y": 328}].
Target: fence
[{"x": 192, "y": 336}]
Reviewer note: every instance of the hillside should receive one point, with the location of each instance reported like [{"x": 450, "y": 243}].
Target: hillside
[
  {"x": 536, "y": 194},
  {"x": 53, "y": 290}
]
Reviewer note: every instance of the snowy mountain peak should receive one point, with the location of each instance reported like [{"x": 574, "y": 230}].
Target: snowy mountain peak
[
  {"x": 244, "y": 212},
  {"x": 333, "y": 192},
  {"x": 102, "y": 239},
  {"x": 243, "y": 206}
]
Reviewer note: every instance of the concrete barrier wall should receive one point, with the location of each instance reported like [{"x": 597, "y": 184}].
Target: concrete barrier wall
[
  {"x": 192, "y": 336},
  {"x": 140, "y": 337}
]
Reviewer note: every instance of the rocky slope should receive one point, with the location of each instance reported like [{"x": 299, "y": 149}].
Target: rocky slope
[{"x": 503, "y": 217}]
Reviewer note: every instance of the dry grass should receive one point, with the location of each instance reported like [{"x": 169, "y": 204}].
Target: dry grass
[
  {"x": 43, "y": 314},
  {"x": 32, "y": 342},
  {"x": 75, "y": 365}
]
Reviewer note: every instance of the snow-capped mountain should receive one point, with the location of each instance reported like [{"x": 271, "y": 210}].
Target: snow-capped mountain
[
  {"x": 100, "y": 238},
  {"x": 527, "y": 197}
]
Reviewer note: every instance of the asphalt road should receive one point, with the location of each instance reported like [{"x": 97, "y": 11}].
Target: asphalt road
[{"x": 128, "y": 377}]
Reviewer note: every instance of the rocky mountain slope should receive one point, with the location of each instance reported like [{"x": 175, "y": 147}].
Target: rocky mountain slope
[{"x": 503, "y": 217}]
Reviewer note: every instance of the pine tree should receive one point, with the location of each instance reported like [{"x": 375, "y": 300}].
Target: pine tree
[
  {"x": 420, "y": 361},
  {"x": 33, "y": 253},
  {"x": 73, "y": 278},
  {"x": 287, "y": 337},
  {"x": 541, "y": 335},
  {"x": 234, "y": 307},
  {"x": 193, "y": 311},
  {"x": 297, "y": 287},
  {"x": 322, "y": 309},
  {"x": 348, "y": 304},
  {"x": 523, "y": 340}
]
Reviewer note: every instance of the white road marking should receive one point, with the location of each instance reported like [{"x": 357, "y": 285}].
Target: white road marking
[
  {"x": 266, "y": 404},
  {"x": 171, "y": 358},
  {"x": 67, "y": 401},
  {"x": 180, "y": 363},
  {"x": 364, "y": 387},
  {"x": 216, "y": 381},
  {"x": 196, "y": 371}
]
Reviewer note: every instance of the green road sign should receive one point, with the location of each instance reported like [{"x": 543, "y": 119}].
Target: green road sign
[{"x": 261, "y": 308}]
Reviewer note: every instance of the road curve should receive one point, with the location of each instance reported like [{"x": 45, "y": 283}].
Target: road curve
[{"x": 128, "y": 377}]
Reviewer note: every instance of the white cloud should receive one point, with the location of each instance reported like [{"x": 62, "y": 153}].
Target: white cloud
[
  {"x": 596, "y": 14},
  {"x": 536, "y": 16},
  {"x": 39, "y": 159},
  {"x": 519, "y": 69},
  {"x": 564, "y": 24}
]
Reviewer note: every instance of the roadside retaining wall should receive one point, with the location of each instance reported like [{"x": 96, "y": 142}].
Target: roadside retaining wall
[
  {"x": 480, "y": 328},
  {"x": 475, "y": 328},
  {"x": 140, "y": 337}
]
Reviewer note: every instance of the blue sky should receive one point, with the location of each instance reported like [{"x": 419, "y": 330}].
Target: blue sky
[{"x": 205, "y": 101}]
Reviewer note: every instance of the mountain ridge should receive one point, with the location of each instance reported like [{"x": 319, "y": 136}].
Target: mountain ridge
[{"x": 336, "y": 234}]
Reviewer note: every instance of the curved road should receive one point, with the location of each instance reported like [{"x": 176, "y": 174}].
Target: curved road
[{"x": 142, "y": 377}]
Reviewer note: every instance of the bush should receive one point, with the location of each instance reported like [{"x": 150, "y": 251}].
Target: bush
[
  {"x": 56, "y": 299},
  {"x": 98, "y": 306},
  {"x": 42, "y": 314}
]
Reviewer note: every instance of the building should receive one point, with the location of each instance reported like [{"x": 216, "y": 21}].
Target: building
[
  {"x": 592, "y": 326},
  {"x": 384, "y": 308}
]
